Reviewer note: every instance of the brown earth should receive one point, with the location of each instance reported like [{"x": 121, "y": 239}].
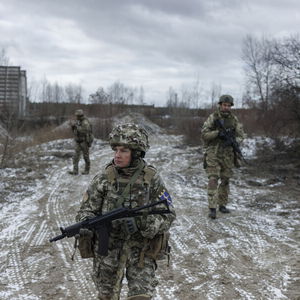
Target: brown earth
[{"x": 251, "y": 253}]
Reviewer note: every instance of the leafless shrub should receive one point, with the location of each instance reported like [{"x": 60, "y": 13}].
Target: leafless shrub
[{"x": 102, "y": 128}]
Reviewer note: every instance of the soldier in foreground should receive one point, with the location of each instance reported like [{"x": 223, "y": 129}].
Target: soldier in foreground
[
  {"x": 220, "y": 156},
  {"x": 134, "y": 243},
  {"x": 83, "y": 138}
]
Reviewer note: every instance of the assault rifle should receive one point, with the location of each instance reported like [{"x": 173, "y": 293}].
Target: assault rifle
[
  {"x": 101, "y": 224},
  {"x": 229, "y": 140}
]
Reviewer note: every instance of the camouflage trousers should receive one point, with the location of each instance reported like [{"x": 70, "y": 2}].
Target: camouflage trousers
[
  {"x": 219, "y": 171},
  {"x": 109, "y": 271},
  {"x": 84, "y": 149}
]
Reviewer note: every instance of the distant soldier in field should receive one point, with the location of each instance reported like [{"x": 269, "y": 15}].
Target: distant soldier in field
[
  {"x": 134, "y": 243},
  {"x": 219, "y": 155},
  {"x": 83, "y": 137}
]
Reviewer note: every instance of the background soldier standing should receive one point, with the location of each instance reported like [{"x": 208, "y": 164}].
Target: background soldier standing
[
  {"x": 219, "y": 157},
  {"x": 83, "y": 140},
  {"x": 133, "y": 242}
]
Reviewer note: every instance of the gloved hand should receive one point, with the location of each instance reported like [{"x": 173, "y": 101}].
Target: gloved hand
[
  {"x": 72, "y": 123},
  {"x": 84, "y": 232},
  {"x": 150, "y": 227},
  {"x": 221, "y": 135},
  {"x": 229, "y": 132}
]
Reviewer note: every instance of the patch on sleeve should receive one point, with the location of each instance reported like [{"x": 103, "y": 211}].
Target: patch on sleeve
[{"x": 166, "y": 196}]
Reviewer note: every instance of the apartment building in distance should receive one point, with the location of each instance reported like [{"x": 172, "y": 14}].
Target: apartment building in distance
[{"x": 13, "y": 90}]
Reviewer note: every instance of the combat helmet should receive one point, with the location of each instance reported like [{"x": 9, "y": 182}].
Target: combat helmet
[
  {"x": 129, "y": 135},
  {"x": 226, "y": 99},
  {"x": 79, "y": 113}
]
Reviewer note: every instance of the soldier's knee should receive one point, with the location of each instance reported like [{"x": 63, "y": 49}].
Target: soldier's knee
[
  {"x": 139, "y": 297},
  {"x": 212, "y": 182}
]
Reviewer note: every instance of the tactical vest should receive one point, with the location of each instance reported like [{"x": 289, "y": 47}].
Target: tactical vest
[
  {"x": 137, "y": 194},
  {"x": 82, "y": 136},
  {"x": 157, "y": 248}
]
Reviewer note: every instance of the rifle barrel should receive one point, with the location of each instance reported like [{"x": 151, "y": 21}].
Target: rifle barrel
[{"x": 57, "y": 238}]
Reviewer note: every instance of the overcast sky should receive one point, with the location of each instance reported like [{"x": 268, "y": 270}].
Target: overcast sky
[{"x": 151, "y": 43}]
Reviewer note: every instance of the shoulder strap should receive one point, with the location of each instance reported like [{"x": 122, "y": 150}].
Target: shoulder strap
[
  {"x": 111, "y": 173},
  {"x": 150, "y": 171}
]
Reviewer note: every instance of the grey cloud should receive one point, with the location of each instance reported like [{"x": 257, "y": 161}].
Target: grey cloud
[{"x": 151, "y": 42}]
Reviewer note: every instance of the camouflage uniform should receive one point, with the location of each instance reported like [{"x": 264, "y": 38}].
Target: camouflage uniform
[
  {"x": 82, "y": 136},
  {"x": 219, "y": 160},
  {"x": 126, "y": 252}
]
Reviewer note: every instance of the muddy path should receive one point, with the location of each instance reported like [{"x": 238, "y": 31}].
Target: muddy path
[{"x": 252, "y": 253}]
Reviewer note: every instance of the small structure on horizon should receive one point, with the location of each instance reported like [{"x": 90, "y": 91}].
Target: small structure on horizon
[{"x": 13, "y": 90}]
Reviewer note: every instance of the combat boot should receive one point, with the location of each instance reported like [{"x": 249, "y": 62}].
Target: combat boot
[
  {"x": 73, "y": 172},
  {"x": 224, "y": 210},
  {"x": 212, "y": 213},
  {"x": 86, "y": 171}
]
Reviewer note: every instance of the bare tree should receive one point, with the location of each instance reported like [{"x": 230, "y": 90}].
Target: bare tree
[
  {"x": 141, "y": 96},
  {"x": 257, "y": 57},
  {"x": 58, "y": 93},
  {"x": 286, "y": 57},
  {"x": 121, "y": 94},
  {"x": 197, "y": 91},
  {"x": 215, "y": 93},
  {"x": 99, "y": 97},
  {"x": 73, "y": 93},
  {"x": 172, "y": 100},
  {"x": 9, "y": 121}
]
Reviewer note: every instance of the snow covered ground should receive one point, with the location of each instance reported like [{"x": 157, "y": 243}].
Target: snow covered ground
[{"x": 252, "y": 253}]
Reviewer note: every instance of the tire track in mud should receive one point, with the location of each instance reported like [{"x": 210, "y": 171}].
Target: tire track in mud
[
  {"x": 62, "y": 213},
  {"x": 252, "y": 242},
  {"x": 210, "y": 259},
  {"x": 218, "y": 255},
  {"x": 17, "y": 271}
]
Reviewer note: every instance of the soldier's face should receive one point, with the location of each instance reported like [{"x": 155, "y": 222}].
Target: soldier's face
[
  {"x": 225, "y": 107},
  {"x": 122, "y": 156}
]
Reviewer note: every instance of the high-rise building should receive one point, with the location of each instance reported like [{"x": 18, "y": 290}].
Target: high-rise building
[{"x": 13, "y": 90}]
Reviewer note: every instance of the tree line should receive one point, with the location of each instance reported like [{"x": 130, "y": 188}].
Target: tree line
[
  {"x": 272, "y": 73},
  {"x": 271, "y": 99}
]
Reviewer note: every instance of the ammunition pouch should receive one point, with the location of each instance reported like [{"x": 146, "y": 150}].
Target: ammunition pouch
[
  {"x": 86, "y": 243},
  {"x": 159, "y": 248}
]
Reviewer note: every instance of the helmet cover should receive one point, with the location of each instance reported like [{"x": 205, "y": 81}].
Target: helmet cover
[
  {"x": 129, "y": 135},
  {"x": 226, "y": 99},
  {"x": 79, "y": 112}
]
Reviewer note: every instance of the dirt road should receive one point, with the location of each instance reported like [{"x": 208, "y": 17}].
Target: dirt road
[{"x": 252, "y": 253}]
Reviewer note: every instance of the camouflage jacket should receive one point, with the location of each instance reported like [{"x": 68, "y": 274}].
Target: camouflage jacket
[
  {"x": 212, "y": 143},
  {"x": 82, "y": 130},
  {"x": 103, "y": 195}
]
